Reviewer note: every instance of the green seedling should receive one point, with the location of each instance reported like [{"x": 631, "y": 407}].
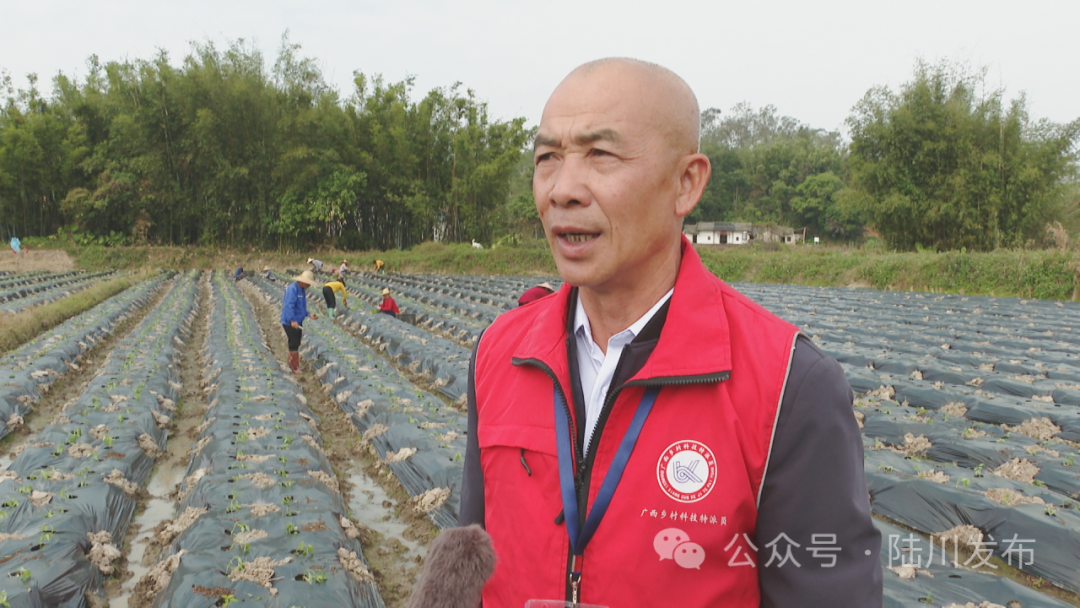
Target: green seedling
[
  {"x": 1050, "y": 510},
  {"x": 10, "y": 503},
  {"x": 282, "y": 472},
  {"x": 979, "y": 469},
  {"x": 287, "y": 500},
  {"x": 235, "y": 564},
  {"x": 108, "y": 440},
  {"x": 884, "y": 468},
  {"x": 292, "y": 529},
  {"x": 963, "y": 483},
  {"x": 24, "y": 575},
  {"x": 1038, "y": 482},
  {"x": 288, "y": 483},
  {"x": 234, "y": 506},
  {"x": 240, "y": 527},
  {"x": 305, "y": 549},
  {"x": 1068, "y": 461},
  {"x": 3, "y": 598},
  {"x": 314, "y": 576},
  {"x": 27, "y": 489}
]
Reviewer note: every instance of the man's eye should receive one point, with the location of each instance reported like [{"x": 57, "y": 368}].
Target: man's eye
[
  {"x": 545, "y": 156},
  {"x": 599, "y": 152}
]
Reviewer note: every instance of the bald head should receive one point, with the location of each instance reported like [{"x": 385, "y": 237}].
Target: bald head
[{"x": 665, "y": 98}]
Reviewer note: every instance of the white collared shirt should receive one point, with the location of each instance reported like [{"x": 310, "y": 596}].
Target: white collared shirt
[{"x": 596, "y": 369}]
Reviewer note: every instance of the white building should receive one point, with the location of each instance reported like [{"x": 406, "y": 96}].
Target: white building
[{"x": 718, "y": 233}]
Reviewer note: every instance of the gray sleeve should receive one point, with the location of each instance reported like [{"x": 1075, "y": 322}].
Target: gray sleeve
[
  {"x": 471, "y": 510},
  {"x": 815, "y": 487}
]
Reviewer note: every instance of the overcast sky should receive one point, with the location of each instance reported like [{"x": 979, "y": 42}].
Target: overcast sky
[{"x": 813, "y": 60}]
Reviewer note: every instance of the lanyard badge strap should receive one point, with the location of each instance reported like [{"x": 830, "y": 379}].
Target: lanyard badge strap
[{"x": 580, "y": 536}]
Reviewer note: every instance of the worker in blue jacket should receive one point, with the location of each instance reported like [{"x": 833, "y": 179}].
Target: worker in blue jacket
[{"x": 293, "y": 312}]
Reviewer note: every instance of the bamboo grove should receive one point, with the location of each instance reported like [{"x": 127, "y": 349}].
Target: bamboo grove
[{"x": 222, "y": 151}]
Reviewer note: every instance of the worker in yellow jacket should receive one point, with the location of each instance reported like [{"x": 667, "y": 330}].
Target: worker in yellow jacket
[{"x": 328, "y": 291}]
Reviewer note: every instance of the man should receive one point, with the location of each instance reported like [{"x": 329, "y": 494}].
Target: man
[
  {"x": 328, "y": 294},
  {"x": 535, "y": 293},
  {"x": 267, "y": 274},
  {"x": 648, "y": 436},
  {"x": 238, "y": 273},
  {"x": 379, "y": 264},
  {"x": 388, "y": 306},
  {"x": 317, "y": 265},
  {"x": 293, "y": 313}
]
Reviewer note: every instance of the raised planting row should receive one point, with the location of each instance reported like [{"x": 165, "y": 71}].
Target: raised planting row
[
  {"x": 28, "y": 286},
  {"x": 440, "y": 297},
  {"x": 918, "y": 573},
  {"x": 68, "y": 497},
  {"x": 11, "y": 280},
  {"x": 438, "y": 320},
  {"x": 57, "y": 291},
  {"x": 260, "y": 519},
  {"x": 970, "y": 415},
  {"x": 27, "y": 372},
  {"x": 416, "y": 435}
]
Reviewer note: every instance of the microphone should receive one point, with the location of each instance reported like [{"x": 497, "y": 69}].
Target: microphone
[{"x": 459, "y": 562}]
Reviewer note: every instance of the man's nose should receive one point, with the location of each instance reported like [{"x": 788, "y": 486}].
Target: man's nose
[{"x": 569, "y": 184}]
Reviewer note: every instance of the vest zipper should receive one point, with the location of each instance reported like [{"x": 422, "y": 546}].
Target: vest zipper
[{"x": 583, "y": 468}]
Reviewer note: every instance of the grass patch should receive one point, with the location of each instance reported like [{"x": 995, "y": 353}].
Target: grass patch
[{"x": 20, "y": 328}]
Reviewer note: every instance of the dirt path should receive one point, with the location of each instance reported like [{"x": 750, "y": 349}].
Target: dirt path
[
  {"x": 66, "y": 389},
  {"x": 43, "y": 259},
  {"x": 396, "y": 537},
  {"x": 157, "y": 502}
]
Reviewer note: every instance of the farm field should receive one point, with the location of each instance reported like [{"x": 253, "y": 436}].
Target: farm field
[{"x": 156, "y": 452}]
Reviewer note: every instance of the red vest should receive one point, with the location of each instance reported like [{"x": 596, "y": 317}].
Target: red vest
[{"x": 674, "y": 532}]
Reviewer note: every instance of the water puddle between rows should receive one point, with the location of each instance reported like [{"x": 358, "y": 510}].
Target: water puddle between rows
[
  {"x": 168, "y": 472},
  {"x": 371, "y": 506}
]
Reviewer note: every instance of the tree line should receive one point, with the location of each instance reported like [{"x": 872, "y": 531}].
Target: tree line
[
  {"x": 221, "y": 150},
  {"x": 943, "y": 163}
]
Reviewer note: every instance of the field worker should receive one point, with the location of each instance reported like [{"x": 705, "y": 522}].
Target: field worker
[
  {"x": 535, "y": 293},
  {"x": 238, "y": 273},
  {"x": 343, "y": 268},
  {"x": 266, "y": 274},
  {"x": 648, "y": 436},
  {"x": 316, "y": 264},
  {"x": 15, "y": 245},
  {"x": 388, "y": 306},
  {"x": 293, "y": 312},
  {"x": 328, "y": 290},
  {"x": 379, "y": 264}
]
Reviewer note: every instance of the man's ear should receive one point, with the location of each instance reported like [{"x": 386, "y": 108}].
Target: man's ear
[{"x": 696, "y": 170}]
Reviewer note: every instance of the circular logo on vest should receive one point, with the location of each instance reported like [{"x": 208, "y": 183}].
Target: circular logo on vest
[{"x": 686, "y": 471}]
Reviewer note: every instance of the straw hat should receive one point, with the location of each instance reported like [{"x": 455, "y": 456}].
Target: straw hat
[
  {"x": 385, "y": 291},
  {"x": 265, "y": 268},
  {"x": 546, "y": 286},
  {"x": 306, "y": 277},
  {"x": 310, "y": 260}
]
